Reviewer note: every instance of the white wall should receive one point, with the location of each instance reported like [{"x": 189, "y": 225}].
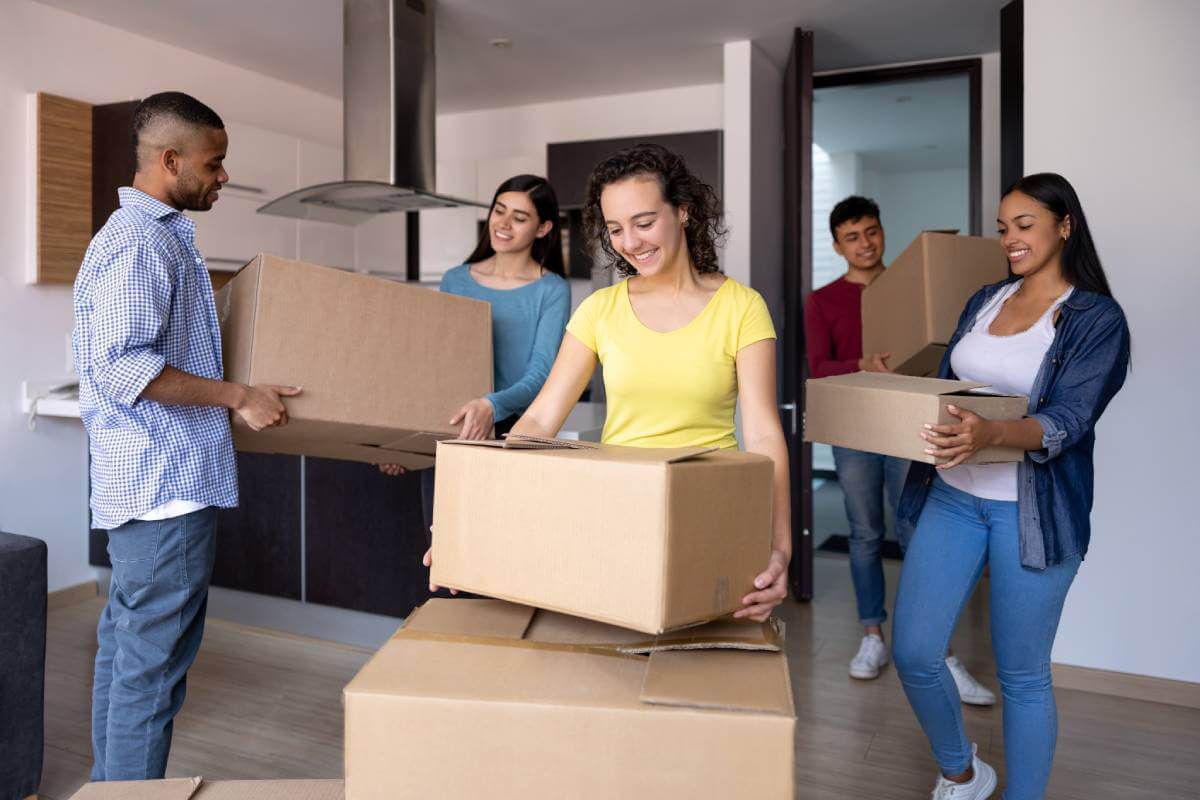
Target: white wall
[
  {"x": 1111, "y": 103},
  {"x": 43, "y": 474},
  {"x": 989, "y": 97},
  {"x": 753, "y": 172},
  {"x": 919, "y": 200}
]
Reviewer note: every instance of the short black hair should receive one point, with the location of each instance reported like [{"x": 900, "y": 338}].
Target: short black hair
[
  {"x": 171, "y": 105},
  {"x": 852, "y": 209}
]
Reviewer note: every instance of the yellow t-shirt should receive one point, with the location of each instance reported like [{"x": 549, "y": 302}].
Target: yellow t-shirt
[{"x": 674, "y": 389}]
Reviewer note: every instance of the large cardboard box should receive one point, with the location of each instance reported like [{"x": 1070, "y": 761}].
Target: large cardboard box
[
  {"x": 912, "y": 309},
  {"x": 883, "y": 413},
  {"x": 486, "y": 699},
  {"x": 649, "y": 539},
  {"x": 198, "y": 789},
  {"x": 383, "y": 366}
]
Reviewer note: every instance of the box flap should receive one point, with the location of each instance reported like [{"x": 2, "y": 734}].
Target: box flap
[
  {"x": 173, "y": 789},
  {"x": 722, "y": 634},
  {"x": 498, "y": 622},
  {"x": 608, "y": 452},
  {"x": 271, "y": 790},
  {"x": 719, "y": 679},
  {"x": 494, "y": 618},
  {"x": 886, "y": 381}
]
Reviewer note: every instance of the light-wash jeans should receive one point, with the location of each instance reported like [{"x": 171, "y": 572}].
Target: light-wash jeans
[
  {"x": 863, "y": 478},
  {"x": 956, "y": 536},
  {"x": 148, "y": 636}
]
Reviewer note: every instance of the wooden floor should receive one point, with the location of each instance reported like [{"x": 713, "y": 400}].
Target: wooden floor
[{"x": 267, "y": 705}]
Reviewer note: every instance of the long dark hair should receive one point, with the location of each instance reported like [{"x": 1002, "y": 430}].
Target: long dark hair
[
  {"x": 1080, "y": 261},
  {"x": 703, "y": 229},
  {"x": 547, "y": 250}
]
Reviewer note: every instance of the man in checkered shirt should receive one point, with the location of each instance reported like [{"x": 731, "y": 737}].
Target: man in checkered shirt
[{"x": 151, "y": 392}]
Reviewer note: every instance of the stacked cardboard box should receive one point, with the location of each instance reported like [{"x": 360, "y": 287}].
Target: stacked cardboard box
[
  {"x": 198, "y": 789},
  {"x": 383, "y": 366},
  {"x": 912, "y": 309},
  {"x": 644, "y": 538},
  {"x": 488, "y": 698},
  {"x": 482, "y": 698}
]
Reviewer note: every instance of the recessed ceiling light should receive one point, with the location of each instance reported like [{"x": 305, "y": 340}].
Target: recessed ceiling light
[{"x": 501, "y": 44}]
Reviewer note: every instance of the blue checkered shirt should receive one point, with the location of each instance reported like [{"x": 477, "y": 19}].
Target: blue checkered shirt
[{"x": 143, "y": 300}]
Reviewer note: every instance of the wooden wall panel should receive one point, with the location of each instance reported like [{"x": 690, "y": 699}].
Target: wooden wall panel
[{"x": 64, "y": 186}]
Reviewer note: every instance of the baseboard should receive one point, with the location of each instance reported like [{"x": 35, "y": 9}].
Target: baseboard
[
  {"x": 71, "y": 595},
  {"x": 1123, "y": 684}
]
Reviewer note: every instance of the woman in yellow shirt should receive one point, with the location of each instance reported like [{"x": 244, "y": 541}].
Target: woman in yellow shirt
[{"x": 680, "y": 343}]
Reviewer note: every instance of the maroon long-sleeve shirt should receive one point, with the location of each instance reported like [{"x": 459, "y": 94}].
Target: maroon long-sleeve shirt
[{"x": 833, "y": 328}]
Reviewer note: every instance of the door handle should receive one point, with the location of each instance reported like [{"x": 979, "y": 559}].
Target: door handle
[{"x": 791, "y": 409}]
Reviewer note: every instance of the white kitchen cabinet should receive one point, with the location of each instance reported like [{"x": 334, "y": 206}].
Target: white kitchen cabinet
[
  {"x": 380, "y": 245},
  {"x": 448, "y": 235},
  {"x": 323, "y": 242},
  {"x": 318, "y": 163},
  {"x": 232, "y": 233},
  {"x": 491, "y": 172},
  {"x": 261, "y": 163}
]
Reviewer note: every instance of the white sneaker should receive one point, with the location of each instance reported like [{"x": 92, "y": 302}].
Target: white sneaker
[
  {"x": 872, "y": 655},
  {"x": 971, "y": 691},
  {"x": 981, "y": 785}
]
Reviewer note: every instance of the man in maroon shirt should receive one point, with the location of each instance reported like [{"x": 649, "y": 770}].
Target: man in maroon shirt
[{"x": 833, "y": 334}]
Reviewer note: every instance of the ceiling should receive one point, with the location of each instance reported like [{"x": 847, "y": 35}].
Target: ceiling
[
  {"x": 562, "y": 48},
  {"x": 898, "y": 126}
]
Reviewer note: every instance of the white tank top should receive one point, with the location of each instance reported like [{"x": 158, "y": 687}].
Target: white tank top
[{"x": 1009, "y": 365}]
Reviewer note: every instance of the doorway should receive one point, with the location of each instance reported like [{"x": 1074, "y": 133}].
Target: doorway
[{"x": 907, "y": 138}]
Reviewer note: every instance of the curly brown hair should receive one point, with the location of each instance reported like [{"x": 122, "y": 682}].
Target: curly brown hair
[{"x": 703, "y": 230}]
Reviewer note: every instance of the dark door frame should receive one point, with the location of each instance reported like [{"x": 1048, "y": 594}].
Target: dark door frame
[
  {"x": 973, "y": 69},
  {"x": 797, "y": 283},
  {"x": 799, "y": 83},
  {"x": 1012, "y": 93}
]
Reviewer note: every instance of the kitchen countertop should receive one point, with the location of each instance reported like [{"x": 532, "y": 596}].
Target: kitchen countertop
[{"x": 585, "y": 422}]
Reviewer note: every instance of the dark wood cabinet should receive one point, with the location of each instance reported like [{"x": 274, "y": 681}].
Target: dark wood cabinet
[
  {"x": 258, "y": 543},
  {"x": 364, "y": 538},
  {"x": 570, "y": 164},
  {"x": 337, "y": 533}
]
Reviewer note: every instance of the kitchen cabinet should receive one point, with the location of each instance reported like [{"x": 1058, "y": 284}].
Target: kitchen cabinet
[
  {"x": 261, "y": 164},
  {"x": 380, "y": 245},
  {"x": 364, "y": 538},
  {"x": 259, "y": 542},
  {"x": 232, "y": 232},
  {"x": 323, "y": 242}
]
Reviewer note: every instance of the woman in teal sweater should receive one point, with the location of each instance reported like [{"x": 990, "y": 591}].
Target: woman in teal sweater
[{"x": 517, "y": 267}]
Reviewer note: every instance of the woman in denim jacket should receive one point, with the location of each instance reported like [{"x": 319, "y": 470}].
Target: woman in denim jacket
[{"x": 1053, "y": 332}]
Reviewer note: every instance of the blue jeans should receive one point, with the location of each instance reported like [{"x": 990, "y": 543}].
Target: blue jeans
[
  {"x": 958, "y": 534},
  {"x": 863, "y": 478},
  {"x": 148, "y": 636}
]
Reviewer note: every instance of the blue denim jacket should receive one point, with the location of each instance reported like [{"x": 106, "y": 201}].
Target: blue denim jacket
[{"x": 1083, "y": 369}]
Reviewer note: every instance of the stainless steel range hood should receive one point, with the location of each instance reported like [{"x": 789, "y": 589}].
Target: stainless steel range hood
[{"x": 388, "y": 121}]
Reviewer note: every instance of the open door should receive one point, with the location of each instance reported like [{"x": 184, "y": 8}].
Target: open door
[{"x": 797, "y": 277}]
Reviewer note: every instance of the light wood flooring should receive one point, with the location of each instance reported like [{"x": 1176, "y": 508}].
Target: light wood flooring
[{"x": 267, "y": 705}]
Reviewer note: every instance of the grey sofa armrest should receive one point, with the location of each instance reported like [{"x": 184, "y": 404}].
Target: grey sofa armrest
[{"x": 22, "y": 663}]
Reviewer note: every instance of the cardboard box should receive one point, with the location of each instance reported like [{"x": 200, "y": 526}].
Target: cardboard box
[
  {"x": 912, "y": 309},
  {"x": 486, "y": 699},
  {"x": 197, "y": 789},
  {"x": 649, "y": 539},
  {"x": 883, "y": 413},
  {"x": 383, "y": 366}
]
